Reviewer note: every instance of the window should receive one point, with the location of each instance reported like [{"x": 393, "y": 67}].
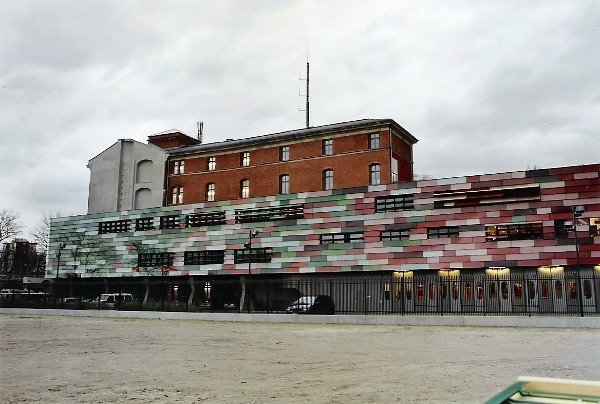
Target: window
[
  {"x": 284, "y": 184},
  {"x": 516, "y": 231},
  {"x": 210, "y": 192},
  {"x": 212, "y": 163},
  {"x": 374, "y": 141},
  {"x": 394, "y": 170},
  {"x": 114, "y": 226},
  {"x": 247, "y": 255},
  {"x": 178, "y": 166},
  {"x": 144, "y": 223},
  {"x": 169, "y": 222},
  {"x": 284, "y": 153},
  {"x": 561, "y": 228},
  {"x": 374, "y": 174},
  {"x": 489, "y": 196},
  {"x": 245, "y": 189},
  {"x": 204, "y": 257},
  {"x": 287, "y": 212},
  {"x": 176, "y": 195},
  {"x": 328, "y": 147},
  {"x": 389, "y": 235},
  {"x": 205, "y": 219},
  {"x": 339, "y": 238},
  {"x": 394, "y": 203},
  {"x": 327, "y": 180},
  {"x": 155, "y": 259},
  {"x": 442, "y": 232},
  {"x": 245, "y": 159}
]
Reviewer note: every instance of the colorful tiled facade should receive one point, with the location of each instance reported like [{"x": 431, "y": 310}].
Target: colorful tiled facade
[{"x": 518, "y": 220}]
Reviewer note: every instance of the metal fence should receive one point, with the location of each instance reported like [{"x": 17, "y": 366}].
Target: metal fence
[{"x": 426, "y": 294}]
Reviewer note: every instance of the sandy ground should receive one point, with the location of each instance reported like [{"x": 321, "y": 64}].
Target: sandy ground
[{"x": 90, "y": 360}]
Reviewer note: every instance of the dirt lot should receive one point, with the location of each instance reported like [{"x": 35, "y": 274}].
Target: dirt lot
[{"x": 73, "y": 360}]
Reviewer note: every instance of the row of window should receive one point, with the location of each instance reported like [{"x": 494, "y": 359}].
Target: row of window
[
  {"x": 284, "y": 185},
  {"x": 288, "y": 212},
  {"x": 206, "y": 257},
  {"x": 178, "y": 166},
  {"x": 546, "y": 290}
]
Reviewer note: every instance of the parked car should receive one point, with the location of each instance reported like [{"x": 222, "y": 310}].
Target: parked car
[
  {"x": 110, "y": 299},
  {"x": 321, "y": 304}
]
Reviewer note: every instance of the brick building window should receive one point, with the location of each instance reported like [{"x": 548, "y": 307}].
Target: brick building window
[
  {"x": 210, "y": 192},
  {"x": 245, "y": 188},
  {"x": 204, "y": 257},
  {"x": 394, "y": 203},
  {"x": 442, "y": 232},
  {"x": 114, "y": 226},
  {"x": 374, "y": 174},
  {"x": 284, "y": 184},
  {"x": 514, "y": 231},
  {"x": 327, "y": 179},
  {"x": 246, "y": 255},
  {"x": 389, "y": 235},
  {"x": 339, "y": 238},
  {"x": 328, "y": 147},
  {"x": 144, "y": 223},
  {"x": 155, "y": 259},
  {"x": 212, "y": 163},
  {"x": 169, "y": 222},
  {"x": 205, "y": 219},
  {"x": 245, "y": 159},
  {"x": 178, "y": 167},
  {"x": 176, "y": 195},
  {"x": 284, "y": 153},
  {"x": 374, "y": 141}
]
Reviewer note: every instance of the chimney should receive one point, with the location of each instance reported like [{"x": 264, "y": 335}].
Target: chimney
[{"x": 200, "y": 131}]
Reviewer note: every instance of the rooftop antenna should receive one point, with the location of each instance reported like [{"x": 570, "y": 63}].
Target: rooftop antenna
[
  {"x": 200, "y": 130},
  {"x": 307, "y": 108}
]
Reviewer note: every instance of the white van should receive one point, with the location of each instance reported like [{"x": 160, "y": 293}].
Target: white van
[{"x": 110, "y": 299}]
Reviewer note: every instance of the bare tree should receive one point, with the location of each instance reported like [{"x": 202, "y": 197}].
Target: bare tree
[
  {"x": 9, "y": 224},
  {"x": 85, "y": 251},
  {"x": 422, "y": 177},
  {"x": 41, "y": 231}
]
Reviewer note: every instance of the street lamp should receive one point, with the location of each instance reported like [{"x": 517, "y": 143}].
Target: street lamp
[
  {"x": 248, "y": 245},
  {"x": 578, "y": 211},
  {"x": 58, "y": 254}
]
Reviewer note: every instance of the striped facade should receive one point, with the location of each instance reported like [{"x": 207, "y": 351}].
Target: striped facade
[{"x": 514, "y": 220}]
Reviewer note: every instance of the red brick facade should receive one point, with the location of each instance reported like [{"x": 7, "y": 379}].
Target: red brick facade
[{"x": 351, "y": 159}]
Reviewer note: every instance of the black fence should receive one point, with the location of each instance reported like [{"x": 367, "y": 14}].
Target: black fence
[{"x": 426, "y": 294}]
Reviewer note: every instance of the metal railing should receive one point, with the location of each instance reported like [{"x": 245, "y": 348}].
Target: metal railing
[{"x": 566, "y": 295}]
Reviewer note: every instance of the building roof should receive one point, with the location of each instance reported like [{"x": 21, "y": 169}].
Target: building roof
[{"x": 295, "y": 135}]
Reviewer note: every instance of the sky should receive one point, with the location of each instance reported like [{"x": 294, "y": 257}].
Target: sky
[{"x": 486, "y": 86}]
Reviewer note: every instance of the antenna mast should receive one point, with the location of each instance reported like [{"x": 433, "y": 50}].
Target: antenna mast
[{"x": 307, "y": 108}]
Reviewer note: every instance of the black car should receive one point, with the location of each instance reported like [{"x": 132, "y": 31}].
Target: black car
[{"x": 321, "y": 304}]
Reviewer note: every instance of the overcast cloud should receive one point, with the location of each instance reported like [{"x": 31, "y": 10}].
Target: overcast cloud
[{"x": 485, "y": 86}]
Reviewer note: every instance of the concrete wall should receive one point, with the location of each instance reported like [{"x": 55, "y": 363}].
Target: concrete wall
[{"x": 127, "y": 175}]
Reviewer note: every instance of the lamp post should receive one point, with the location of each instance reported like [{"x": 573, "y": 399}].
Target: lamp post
[
  {"x": 577, "y": 212},
  {"x": 248, "y": 245}
]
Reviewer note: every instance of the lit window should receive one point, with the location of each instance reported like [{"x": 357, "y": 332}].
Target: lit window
[
  {"x": 177, "y": 195},
  {"x": 178, "y": 167},
  {"x": 245, "y": 156},
  {"x": 210, "y": 192},
  {"x": 284, "y": 184},
  {"x": 374, "y": 174},
  {"x": 327, "y": 179},
  {"x": 212, "y": 163},
  {"x": 328, "y": 147},
  {"x": 374, "y": 141},
  {"x": 245, "y": 188},
  {"x": 284, "y": 153}
]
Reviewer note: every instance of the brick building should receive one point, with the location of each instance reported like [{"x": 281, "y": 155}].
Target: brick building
[{"x": 363, "y": 223}]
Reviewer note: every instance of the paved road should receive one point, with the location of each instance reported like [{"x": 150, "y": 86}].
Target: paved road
[{"x": 91, "y": 360}]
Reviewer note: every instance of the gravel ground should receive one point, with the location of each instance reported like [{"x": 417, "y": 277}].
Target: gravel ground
[{"x": 98, "y": 360}]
